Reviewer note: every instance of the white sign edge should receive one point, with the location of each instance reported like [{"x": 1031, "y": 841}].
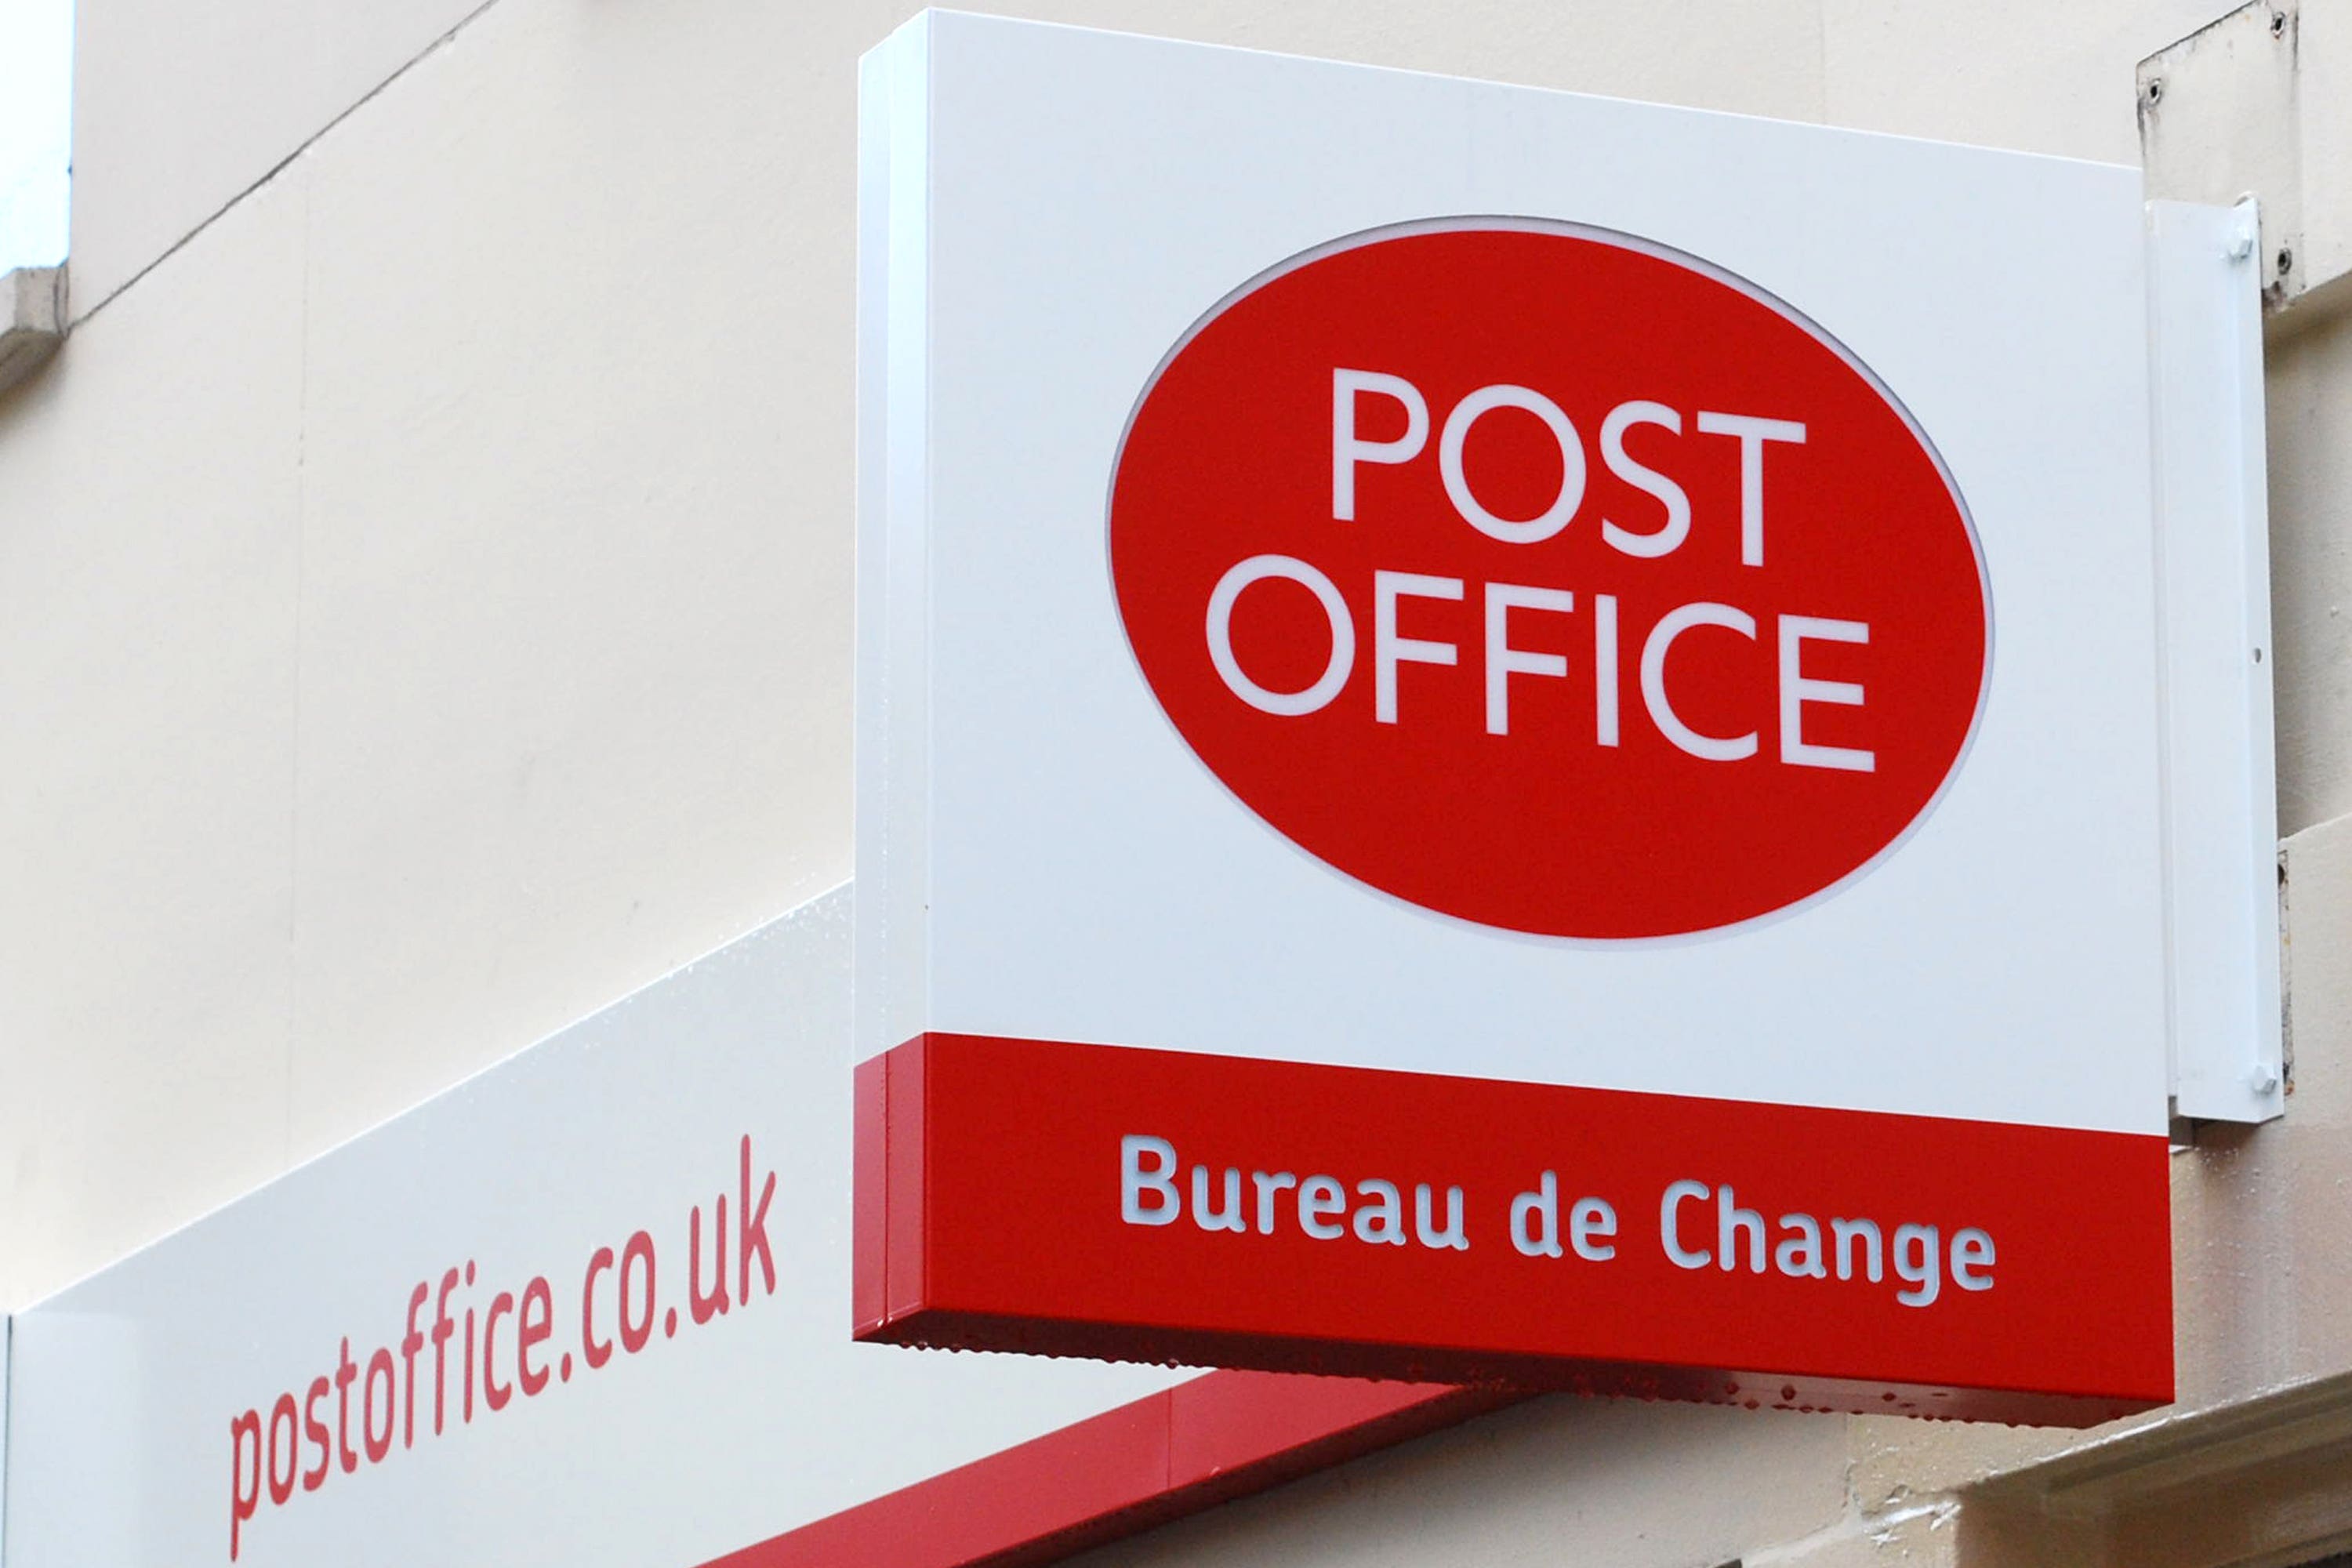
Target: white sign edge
[{"x": 2220, "y": 800}]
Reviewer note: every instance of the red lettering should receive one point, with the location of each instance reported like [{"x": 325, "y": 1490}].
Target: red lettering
[
  {"x": 753, "y": 1236},
  {"x": 467, "y": 1408},
  {"x": 284, "y": 1410},
  {"x": 410, "y": 1344},
  {"x": 345, "y": 1374},
  {"x": 639, "y": 1251},
  {"x": 443, "y": 1327},
  {"x": 706, "y": 1307},
  {"x": 377, "y": 1447},
  {"x": 243, "y": 1499},
  {"x": 534, "y": 1326},
  {"x": 296, "y": 1445},
  {"x": 598, "y": 1352},
  {"x": 316, "y": 1431},
  {"x": 502, "y": 1305}
]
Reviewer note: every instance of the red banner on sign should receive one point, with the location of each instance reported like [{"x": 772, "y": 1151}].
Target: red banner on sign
[{"x": 1158, "y": 1205}]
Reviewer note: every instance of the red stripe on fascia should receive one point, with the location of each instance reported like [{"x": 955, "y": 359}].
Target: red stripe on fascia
[{"x": 1203, "y": 1442}]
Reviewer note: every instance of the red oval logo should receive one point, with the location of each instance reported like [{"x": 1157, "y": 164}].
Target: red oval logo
[{"x": 1549, "y": 579}]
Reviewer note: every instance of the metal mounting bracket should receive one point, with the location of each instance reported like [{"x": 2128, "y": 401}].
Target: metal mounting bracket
[{"x": 2259, "y": 103}]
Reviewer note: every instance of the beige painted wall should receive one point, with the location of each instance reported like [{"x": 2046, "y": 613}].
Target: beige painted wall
[{"x": 424, "y": 616}]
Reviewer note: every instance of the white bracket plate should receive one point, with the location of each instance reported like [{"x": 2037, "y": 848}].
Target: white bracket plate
[{"x": 2205, "y": 281}]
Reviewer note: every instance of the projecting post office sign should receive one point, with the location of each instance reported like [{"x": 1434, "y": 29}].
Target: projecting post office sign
[
  {"x": 1502, "y": 735},
  {"x": 1549, "y": 579}
]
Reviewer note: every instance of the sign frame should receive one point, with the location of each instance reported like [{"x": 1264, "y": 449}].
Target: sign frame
[{"x": 994, "y": 208}]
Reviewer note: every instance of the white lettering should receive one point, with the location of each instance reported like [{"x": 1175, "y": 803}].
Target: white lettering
[
  {"x": 1846, "y": 1232},
  {"x": 1732, "y": 1222},
  {"x": 1348, "y": 449},
  {"x": 1135, "y": 1183},
  {"x": 1320, "y": 1197},
  {"x": 1799, "y": 1256},
  {"x": 1796, "y": 689},
  {"x": 1678, "y": 1194},
  {"x": 1553, "y": 518},
  {"x": 1268, "y": 1187},
  {"x": 1448, "y": 1239},
  {"x": 1672, "y": 625},
  {"x": 1677, "y": 528},
  {"x": 1590, "y": 1224},
  {"x": 1752, "y": 433},
  {"x": 1389, "y": 650},
  {"x": 1972, "y": 1250},
  {"x": 1503, "y": 660},
  {"x": 1604, "y": 668},
  {"x": 1383, "y": 1220},
  {"x": 1227, "y": 1218},
  {"x": 1920, "y": 1259},
  {"x": 1285, "y": 704},
  {"x": 1535, "y": 1219}
]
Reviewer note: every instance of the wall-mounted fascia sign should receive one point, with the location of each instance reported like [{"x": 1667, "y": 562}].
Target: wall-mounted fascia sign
[
  {"x": 1502, "y": 735},
  {"x": 586, "y": 1308}
]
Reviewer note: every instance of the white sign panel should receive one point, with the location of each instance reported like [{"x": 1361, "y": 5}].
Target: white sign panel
[{"x": 1635, "y": 625}]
